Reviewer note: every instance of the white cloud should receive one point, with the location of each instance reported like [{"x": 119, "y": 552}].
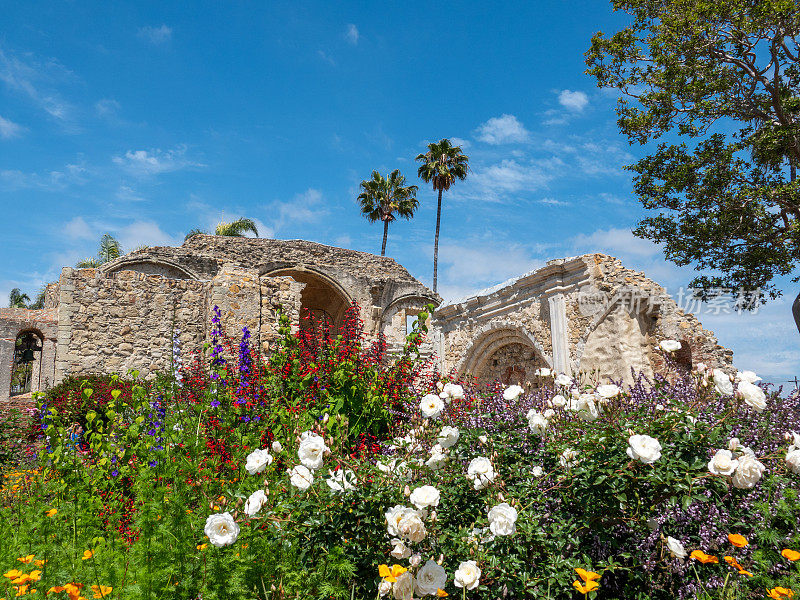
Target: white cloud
[
  {"x": 128, "y": 194},
  {"x": 617, "y": 242},
  {"x": 510, "y": 175},
  {"x": 302, "y": 209},
  {"x": 351, "y": 35},
  {"x": 326, "y": 58},
  {"x": 34, "y": 79},
  {"x": 553, "y": 202},
  {"x": 505, "y": 129},
  {"x": 457, "y": 141},
  {"x": 591, "y": 158},
  {"x": 13, "y": 179},
  {"x": 107, "y": 107},
  {"x": 144, "y": 233},
  {"x": 78, "y": 229},
  {"x": 9, "y": 129},
  {"x": 576, "y": 101},
  {"x": 156, "y": 35},
  {"x": 142, "y": 163}
]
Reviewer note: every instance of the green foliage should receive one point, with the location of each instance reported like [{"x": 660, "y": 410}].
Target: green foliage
[
  {"x": 381, "y": 197},
  {"x": 725, "y": 77}
]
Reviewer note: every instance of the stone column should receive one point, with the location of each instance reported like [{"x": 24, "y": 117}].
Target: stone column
[{"x": 558, "y": 333}]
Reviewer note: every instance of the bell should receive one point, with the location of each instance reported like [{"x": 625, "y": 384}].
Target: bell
[{"x": 27, "y": 356}]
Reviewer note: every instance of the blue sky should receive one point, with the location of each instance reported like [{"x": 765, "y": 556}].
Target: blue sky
[{"x": 146, "y": 120}]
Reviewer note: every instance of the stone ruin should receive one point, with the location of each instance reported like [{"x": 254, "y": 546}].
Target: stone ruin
[{"x": 582, "y": 314}]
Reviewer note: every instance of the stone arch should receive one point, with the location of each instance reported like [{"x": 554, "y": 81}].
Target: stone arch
[
  {"x": 150, "y": 266},
  {"x": 322, "y": 297},
  {"x": 26, "y": 374},
  {"x": 394, "y": 318},
  {"x": 504, "y": 351}
]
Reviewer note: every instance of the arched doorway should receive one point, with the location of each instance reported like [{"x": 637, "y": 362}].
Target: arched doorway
[
  {"x": 322, "y": 302},
  {"x": 505, "y": 355},
  {"x": 27, "y": 363}
]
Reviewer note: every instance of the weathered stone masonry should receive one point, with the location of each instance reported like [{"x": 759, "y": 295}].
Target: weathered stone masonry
[{"x": 586, "y": 313}]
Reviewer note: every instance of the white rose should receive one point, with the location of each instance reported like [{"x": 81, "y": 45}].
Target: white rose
[
  {"x": 543, "y": 372},
  {"x": 748, "y": 376},
  {"x": 753, "y": 395},
  {"x": 793, "y": 460},
  {"x": 384, "y": 587},
  {"x": 644, "y": 448},
  {"x": 431, "y": 406},
  {"x": 425, "y": 497},
  {"x": 341, "y": 480},
  {"x": 723, "y": 463},
  {"x": 400, "y": 550},
  {"x": 276, "y": 447},
  {"x": 794, "y": 437},
  {"x": 255, "y": 502},
  {"x": 568, "y": 458},
  {"x": 411, "y": 527},
  {"x": 257, "y": 461},
  {"x": 733, "y": 444},
  {"x": 221, "y": 529},
  {"x": 670, "y": 345},
  {"x": 585, "y": 407},
  {"x": 312, "y": 449},
  {"x": 748, "y": 472},
  {"x": 564, "y": 380},
  {"x": 536, "y": 421},
  {"x": 481, "y": 472},
  {"x": 393, "y": 517},
  {"x": 701, "y": 367},
  {"x": 676, "y": 548},
  {"x": 448, "y": 436},
  {"x": 437, "y": 459},
  {"x": 454, "y": 391},
  {"x": 503, "y": 519},
  {"x": 722, "y": 382},
  {"x": 430, "y": 578},
  {"x": 403, "y": 588},
  {"x": 483, "y": 439},
  {"x": 415, "y": 560},
  {"x": 468, "y": 575},
  {"x": 537, "y": 471},
  {"x": 558, "y": 401},
  {"x": 608, "y": 390},
  {"x": 512, "y": 392},
  {"x": 301, "y": 477}
]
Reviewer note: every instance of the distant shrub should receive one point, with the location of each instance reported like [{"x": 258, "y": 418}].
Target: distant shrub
[{"x": 71, "y": 403}]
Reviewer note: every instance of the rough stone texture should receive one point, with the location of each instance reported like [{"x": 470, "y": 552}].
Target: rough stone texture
[
  {"x": 16, "y": 321},
  {"x": 586, "y": 313},
  {"x": 615, "y": 319}
]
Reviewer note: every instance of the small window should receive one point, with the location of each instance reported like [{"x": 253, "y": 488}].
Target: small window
[{"x": 411, "y": 320}]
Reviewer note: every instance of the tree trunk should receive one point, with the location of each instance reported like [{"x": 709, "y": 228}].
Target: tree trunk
[
  {"x": 385, "y": 234},
  {"x": 796, "y": 311},
  {"x": 436, "y": 241}
]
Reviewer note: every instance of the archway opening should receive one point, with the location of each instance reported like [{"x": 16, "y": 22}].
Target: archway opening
[
  {"x": 321, "y": 304},
  {"x": 506, "y": 356},
  {"x": 27, "y": 362}
]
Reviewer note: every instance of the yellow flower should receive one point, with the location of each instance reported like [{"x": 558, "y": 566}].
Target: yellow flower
[
  {"x": 585, "y": 589},
  {"x": 587, "y": 576},
  {"x": 703, "y": 557},
  {"x": 737, "y": 540},
  {"x": 101, "y": 591},
  {"x": 13, "y": 573},
  {"x": 441, "y": 593},
  {"x": 202, "y": 547},
  {"x": 51, "y": 513},
  {"x": 39, "y": 563},
  {"x": 87, "y": 554},
  {"x": 791, "y": 555},
  {"x": 392, "y": 574},
  {"x": 780, "y": 593},
  {"x": 22, "y": 590},
  {"x": 26, "y": 559}
]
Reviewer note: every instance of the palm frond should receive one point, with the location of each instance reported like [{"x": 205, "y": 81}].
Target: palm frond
[
  {"x": 194, "y": 232},
  {"x": 237, "y": 228}
]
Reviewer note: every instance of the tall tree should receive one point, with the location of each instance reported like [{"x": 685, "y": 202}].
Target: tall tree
[
  {"x": 17, "y": 299},
  {"x": 722, "y": 78},
  {"x": 383, "y": 197},
  {"x": 109, "y": 250},
  {"x": 441, "y": 165},
  {"x": 235, "y": 228}
]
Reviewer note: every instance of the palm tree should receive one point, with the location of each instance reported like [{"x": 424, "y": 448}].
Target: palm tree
[
  {"x": 109, "y": 250},
  {"x": 16, "y": 299},
  {"x": 235, "y": 228},
  {"x": 382, "y": 197},
  {"x": 441, "y": 165}
]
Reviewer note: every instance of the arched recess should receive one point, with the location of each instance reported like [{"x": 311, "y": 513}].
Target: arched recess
[
  {"x": 506, "y": 353},
  {"x": 26, "y": 365},
  {"x": 322, "y": 297},
  {"x": 150, "y": 266},
  {"x": 398, "y": 317}
]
